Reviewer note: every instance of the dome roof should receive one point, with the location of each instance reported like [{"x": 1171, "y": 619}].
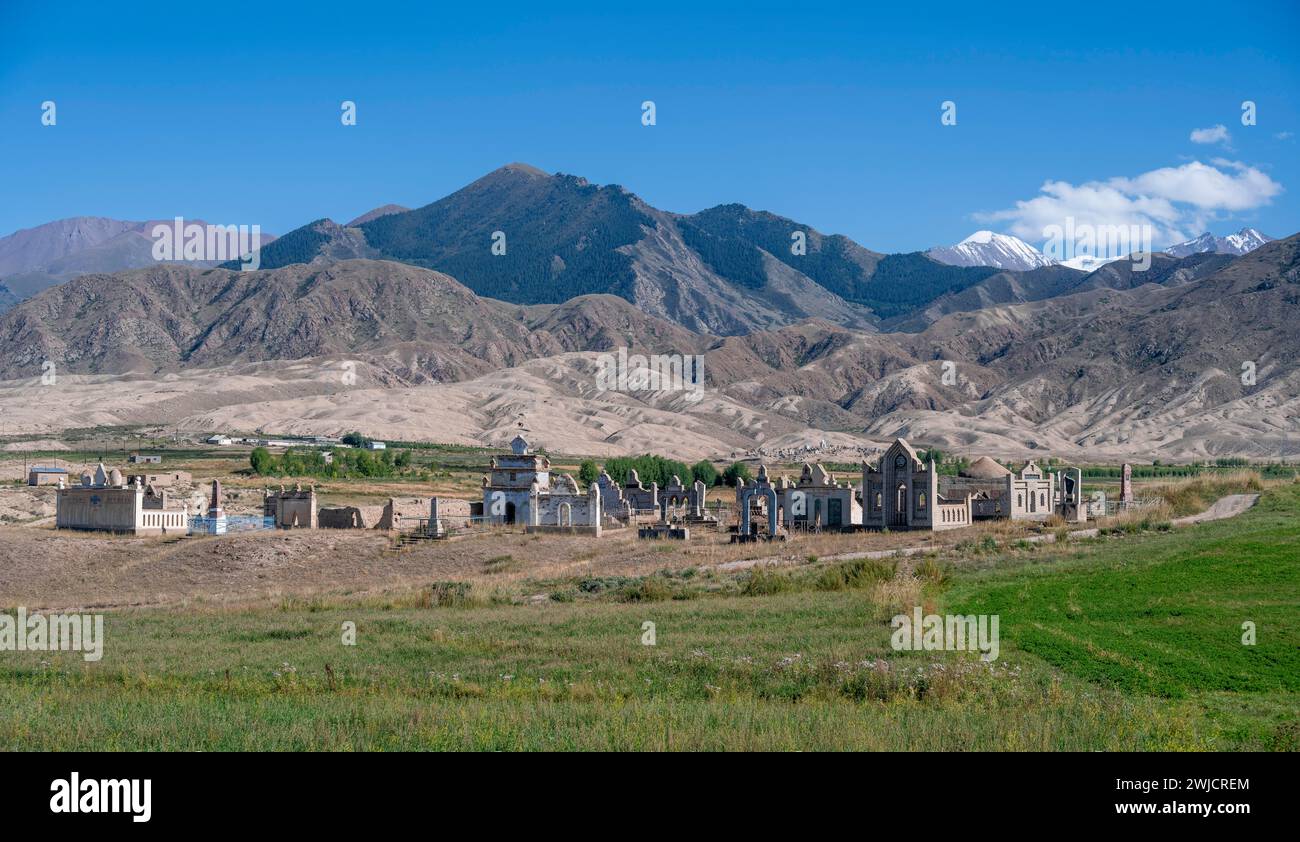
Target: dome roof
[{"x": 985, "y": 468}]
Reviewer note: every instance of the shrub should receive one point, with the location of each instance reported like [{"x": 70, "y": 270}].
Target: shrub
[
  {"x": 763, "y": 582},
  {"x": 648, "y": 589},
  {"x": 859, "y": 573},
  {"x": 600, "y": 584},
  {"x": 449, "y": 595},
  {"x": 930, "y": 571}
]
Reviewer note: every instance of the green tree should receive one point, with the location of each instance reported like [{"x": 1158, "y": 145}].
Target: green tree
[
  {"x": 403, "y": 459},
  {"x": 703, "y": 471},
  {"x": 588, "y": 472},
  {"x": 365, "y": 464},
  {"x": 736, "y": 469},
  {"x": 355, "y": 439},
  {"x": 262, "y": 461}
]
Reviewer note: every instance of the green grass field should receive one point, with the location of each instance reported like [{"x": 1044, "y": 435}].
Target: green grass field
[{"x": 1129, "y": 642}]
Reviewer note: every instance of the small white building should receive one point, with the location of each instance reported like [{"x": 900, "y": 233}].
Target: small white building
[
  {"x": 376, "y": 445},
  {"x": 220, "y": 440}
]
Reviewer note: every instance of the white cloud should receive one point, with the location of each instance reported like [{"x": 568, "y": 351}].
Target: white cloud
[
  {"x": 1214, "y": 134},
  {"x": 1206, "y": 187},
  {"x": 1176, "y": 202}
]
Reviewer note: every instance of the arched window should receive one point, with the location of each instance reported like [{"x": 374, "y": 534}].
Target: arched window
[
  {"x": 879, "y": 499},
  {"x": 920, "y": 501}
]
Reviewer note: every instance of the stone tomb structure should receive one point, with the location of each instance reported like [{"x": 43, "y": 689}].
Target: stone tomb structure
[
  {"x": 292, "y": 509},
  {"x": 509, "y": 488},
  {"x": 399, "y": 514},
  {"x": 519, "y": 491},
  {"x": 676, "y": 502},
  {"x": 901, "y": 492},
  {"x": 757, "y": 500},
  {"x": 446, "y": 514},
  {"x": 818, "y": 502},
  {"x": 564, "y": 508},
  {"x": 349, "y": 517},
  {"x": 631, "y": 499},
  {"x": 105, "y": 502}
]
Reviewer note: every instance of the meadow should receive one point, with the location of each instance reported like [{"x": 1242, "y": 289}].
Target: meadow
[{"x": 1130, "y": 641}]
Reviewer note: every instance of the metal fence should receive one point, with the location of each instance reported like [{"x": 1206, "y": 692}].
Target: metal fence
[{"x": 231, "y": 523}]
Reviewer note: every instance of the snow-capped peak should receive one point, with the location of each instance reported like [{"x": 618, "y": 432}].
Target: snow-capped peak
[
  {"x": 1245, "y": 240},
  {"x": 983, "y": 237},
  {"x": 986, "y": 248}
]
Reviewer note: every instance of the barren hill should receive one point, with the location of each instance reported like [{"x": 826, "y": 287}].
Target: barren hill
[
  {"x": 426, "y": 324},
  {"x": 1118, "y": 366}
]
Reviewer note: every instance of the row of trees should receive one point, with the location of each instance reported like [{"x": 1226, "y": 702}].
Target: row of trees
[
  {"x": 343, "y": 462},
  {"x": 650, "y": 468}
]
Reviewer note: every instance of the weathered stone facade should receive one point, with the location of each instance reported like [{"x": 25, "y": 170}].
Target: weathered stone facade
[
  {"x": 519, "y": 491},
  {"x": 105, "y": 502},
  {"x": 676, "y": 502},
  {"x": 756, "y": 500},
  {"x": 566, "y": 509},
  {"x": 817, "y": 501},
  {"x": 292, "y": 509},
  {"x": 900, "y": 492},
  {"x": 508, "y": 491},
  {"x": 640, "y": 499}
]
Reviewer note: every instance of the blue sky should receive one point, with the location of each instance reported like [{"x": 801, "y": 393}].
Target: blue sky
[{"x": 827, "y": 114}]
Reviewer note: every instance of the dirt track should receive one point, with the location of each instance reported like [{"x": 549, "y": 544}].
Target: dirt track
[{"x": 1224, "y": 507}]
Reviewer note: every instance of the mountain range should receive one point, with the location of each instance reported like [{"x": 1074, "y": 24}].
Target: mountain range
[
  {"x": 34, "y": 259},
  {"x": 802, "y": 333},
  {"x": 986, "y": 248},
  {"x": 1247, "y": 239},
  {"x": 523, "y": 236}
]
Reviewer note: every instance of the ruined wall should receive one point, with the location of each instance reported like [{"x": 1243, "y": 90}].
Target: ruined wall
[
  {"x": 294, "y": 509},
  {"x": 454, "y": 514},
  {"x": 348, "y": 517}
]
